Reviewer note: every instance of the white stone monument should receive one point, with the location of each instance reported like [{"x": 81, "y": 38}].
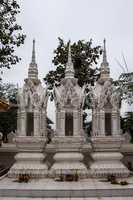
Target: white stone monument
[
  {"x": 106, "y": 134},
  {"x": 31, "y": 126},
  {"x": 69, "y": 139}
]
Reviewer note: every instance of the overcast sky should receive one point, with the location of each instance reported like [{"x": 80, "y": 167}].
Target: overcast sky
[{"x": 46, "y": 20}]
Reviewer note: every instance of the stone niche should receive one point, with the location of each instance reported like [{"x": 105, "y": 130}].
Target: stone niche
[
  {"x": 106, "y": 110},
  {"x": 68, "y": 101},
  {"x": 68, "y": 124}
]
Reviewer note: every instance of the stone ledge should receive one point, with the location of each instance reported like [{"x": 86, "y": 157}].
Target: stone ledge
[{"x": 107, "y": 143}]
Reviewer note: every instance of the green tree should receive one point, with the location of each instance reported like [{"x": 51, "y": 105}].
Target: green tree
[
  {"x": 125, "y": 82},
  {"x": 8, "y": 91},
  {"x": 127, "y": 124},
  {"x": 8, "y": 119},
  {"x": 84, "y": 56},
  {"x": 8, "y": 122},
  {"x": 10, "y": 33},
  {"x": 125, "y": 86}
]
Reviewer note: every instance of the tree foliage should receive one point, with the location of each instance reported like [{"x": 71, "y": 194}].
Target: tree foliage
[
  {"x": 8, "y": 122},
  {"x": 8, "y": 91},
  {"x": 84, "y": 55},
  {"x": 125, "y": 82},
  {"x": 10, "y": 33},
  {"x": 127, "y": 124},
  {"x": 8, "y": 119}
]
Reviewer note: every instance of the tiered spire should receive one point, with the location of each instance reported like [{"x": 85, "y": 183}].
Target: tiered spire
[
  {"x": 105, "y": 62},
  {"x": 105, "y": 71},
  {"x": 33, "y": 71},
  {"x": 69, "y": 72},
  {"x": 33, "y": 59}
]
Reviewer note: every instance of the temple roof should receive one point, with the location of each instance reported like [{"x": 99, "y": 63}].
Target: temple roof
[{"x": 4, "y": 106}]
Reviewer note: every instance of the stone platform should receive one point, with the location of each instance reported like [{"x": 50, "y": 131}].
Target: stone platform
[{"x": 43, "y": 189}]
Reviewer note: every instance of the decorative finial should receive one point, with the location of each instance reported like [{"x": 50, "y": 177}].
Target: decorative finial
[
  {"x": 69, "y": 53},
  {"x": 105, "y": 71},
  {"x": 33, "y": 70},
  {"x": 69, "y": 73},
  {"x": 33, "y": 60},
  {"x": 105, "y": 62}
]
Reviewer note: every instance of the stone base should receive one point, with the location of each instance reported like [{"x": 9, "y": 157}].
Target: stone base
[
  {"x": 29, "y": 163},
  {"x": 69, "y": 163},
  {"x": 68, "y": 157},
  {"x": 107, "y": 157},
  {"x": 30, "y": 157},
  {"x": 108, "y": 163}
]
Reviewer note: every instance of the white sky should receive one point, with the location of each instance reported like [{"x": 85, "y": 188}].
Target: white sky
[{"x": 46, "y": 20}]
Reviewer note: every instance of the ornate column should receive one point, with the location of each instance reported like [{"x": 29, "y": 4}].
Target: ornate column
[
  {"x": 43, "y": 124},
  {"x": 76, "y": 123},
  {"x": 93, "y": 123},
  {"x": 58, "y": 122},
  {"x": 96, "y": 123},
  {"x": 18, "y": 123},
  {"x": 36, "y": 123},
  {"x": 80, "y": 116},
  {"x": 102, "y": 123},
  {"x": 119, "y": 128},
  {"x": 115, "y": 123},
  {"x": 62, "y": 123},
  {"x": 23, "y": 123}
]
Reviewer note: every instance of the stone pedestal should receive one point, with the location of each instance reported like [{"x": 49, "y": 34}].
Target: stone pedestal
[
  {"x": 107, "y": 157},
  {"x": 68, "y": 157},
  {"x": 69, "y": 163},
  {"x": 30, "y": 158}
]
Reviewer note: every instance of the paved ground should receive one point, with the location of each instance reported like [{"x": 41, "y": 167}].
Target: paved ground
[
  {"x": 90, "y": 189},
  {"x": 49, "y": 184}
]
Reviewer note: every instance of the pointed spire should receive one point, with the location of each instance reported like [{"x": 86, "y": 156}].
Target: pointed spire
[
  {"x": 69, "y": 72},
  {"x": 105, "y": 62},
  {"x": 33, "y": 59},
  {"x": 105, "y": 71},
  {"x": 33, "y": 71},
  {"x": 69, "y": 53}
]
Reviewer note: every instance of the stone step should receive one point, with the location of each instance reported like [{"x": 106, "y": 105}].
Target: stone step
[
  {"x": 47, "y": 188},
  {"x": 66, "y": 193}
]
